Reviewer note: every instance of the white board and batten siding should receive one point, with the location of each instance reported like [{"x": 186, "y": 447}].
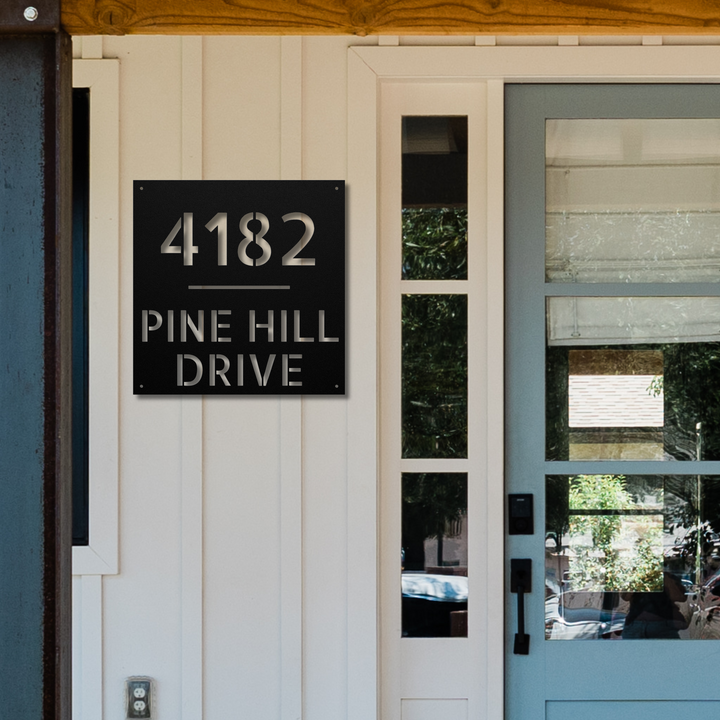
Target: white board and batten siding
[
  {"x": 234, "y": 540},
  {"x": 230, "y": 577}
]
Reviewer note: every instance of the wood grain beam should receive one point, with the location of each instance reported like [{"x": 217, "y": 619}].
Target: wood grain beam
[{"x": 393, "y": 17}]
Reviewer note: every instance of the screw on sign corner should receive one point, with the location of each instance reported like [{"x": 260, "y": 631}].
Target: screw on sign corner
[{"x": 31, "y": 14}]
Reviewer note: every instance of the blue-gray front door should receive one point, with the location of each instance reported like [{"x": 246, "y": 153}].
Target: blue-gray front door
[{"x": 613, "y": 399}]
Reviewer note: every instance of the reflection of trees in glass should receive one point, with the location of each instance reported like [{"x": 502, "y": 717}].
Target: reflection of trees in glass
[
  {"x": 692, "y": 395},
  {"x": 600, "y": 564},
  {"x": 434, "y": 243},
  {"x": 557, "y": 433},
  {"x": 434, "y": 376},
  {"x": 431, "y": 503},
  {"x": 557, "y": 517},
  {"x": 692, "y": 516}
]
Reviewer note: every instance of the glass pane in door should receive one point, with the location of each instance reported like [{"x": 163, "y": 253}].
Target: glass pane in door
[
  {"x": 633, "y": 378},
  {"x": 632, "y": 200},
  {"x": 632, "y": 557}
]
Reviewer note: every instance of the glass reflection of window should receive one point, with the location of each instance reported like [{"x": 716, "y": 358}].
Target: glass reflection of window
[
  {"x": 434, "y": 555},
  {"x": 615, "y": 404},
  {"x": 632, "y": 200},
  {"x": 434, "y": 198},
  {"x": 633, "y": 378}
]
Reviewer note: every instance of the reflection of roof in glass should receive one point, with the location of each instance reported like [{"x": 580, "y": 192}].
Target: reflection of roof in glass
[{"x": 614, "y": 401}]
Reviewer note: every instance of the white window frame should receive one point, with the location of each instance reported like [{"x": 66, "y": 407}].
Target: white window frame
[
  {"x": 100, "y": 557},
  {"x": 368, "y": 68}
]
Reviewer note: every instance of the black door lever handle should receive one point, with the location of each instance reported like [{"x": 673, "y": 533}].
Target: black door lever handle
[{"x": 520, "y": 583}]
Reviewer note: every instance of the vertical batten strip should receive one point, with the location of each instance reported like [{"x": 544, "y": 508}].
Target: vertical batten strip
[
  {"x": 191, "y": 408},
  {"x": 362, "y": 470},
  {"x": 495, "y": 383},
  {"x": 291, "y": 496},
  {"x": 91, "y": 47},
  {"x": 91, "y": 635}
]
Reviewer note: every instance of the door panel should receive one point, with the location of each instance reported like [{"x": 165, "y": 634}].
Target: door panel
[{"x": 612, "y": 196}]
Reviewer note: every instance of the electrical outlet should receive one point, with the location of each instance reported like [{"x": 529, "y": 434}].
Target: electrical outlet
[{"x": 138, "y": 698}]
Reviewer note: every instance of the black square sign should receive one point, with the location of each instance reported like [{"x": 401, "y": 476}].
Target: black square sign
[{"x": 239, "y": 287}]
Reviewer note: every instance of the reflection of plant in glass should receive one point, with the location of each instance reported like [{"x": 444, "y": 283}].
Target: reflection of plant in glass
[
  {"x": 656, "y": 386},
  {"x": 434, "y": 243},
  {"x": 600, "y": 564},
  {"x": 692, "y": 396},
  {"x": 434, "y": 375}
]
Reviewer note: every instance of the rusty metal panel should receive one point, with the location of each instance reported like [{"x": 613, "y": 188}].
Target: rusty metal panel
[
  {"x": 34, "y": 482},
  {"x": 29, "y": 16}
]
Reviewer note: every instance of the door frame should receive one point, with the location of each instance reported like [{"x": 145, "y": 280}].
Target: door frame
[{"x": 368, "y": 68}]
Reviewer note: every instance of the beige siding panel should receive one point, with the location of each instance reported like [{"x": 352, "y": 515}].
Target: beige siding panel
[
  {"x": 241, "y": 108},
  {"x": 325, "y": 566},
  {"x": 325, "y": 108},
  {"x": 242, "y": 581},
  {"x": 242, "y": 435},
  {"x": 142, "y": 605}
]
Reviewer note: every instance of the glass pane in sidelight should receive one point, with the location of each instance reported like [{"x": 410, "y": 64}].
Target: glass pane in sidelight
[
  {"x": 434, "y": 555},
  {"x": 632, "y": 200},
  {"x": 434, "y": 198},
  {"x": 434, "y": 376}
]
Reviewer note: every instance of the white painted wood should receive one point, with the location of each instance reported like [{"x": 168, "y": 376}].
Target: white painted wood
[
  {"x": 652, "y": 40},
  {"x": 252, "y": 619},
  {"x": 332, "y": 628},
  {"x": 91, "y": 647},
  {"x": 388, "y": 40},
  {"x": 191, "y": 549},
  {"x": 545, "y": 64},
  {"x": 291, "y": 85},
  {"x": 291, "y": 555},
  {"x": 362, "y": 508},
  {"x": 102, "y": 77},
  {"x": 495, "y": 500},
  {"x": 568, "y": 40},
  {"x": 87, "y": 647},
  {"x": 191, "y": 409},
  {"x": 431, "y": 667},
  {"x": 142, "y": 606},
  {"x": 422, "y": 709},
  {"x": 291, "y": 475},
  {"x": 485, "y": 40},
  {"x": 92, "y": 47},
  {"x": 192, "y": 107},
  {"x": 242, "y": 108}
]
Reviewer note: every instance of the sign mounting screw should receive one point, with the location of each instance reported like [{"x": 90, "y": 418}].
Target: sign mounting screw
[{"x": 31, "y": 13}]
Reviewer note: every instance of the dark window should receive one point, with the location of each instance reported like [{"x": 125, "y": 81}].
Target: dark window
[{"x": 81, "y": 192}]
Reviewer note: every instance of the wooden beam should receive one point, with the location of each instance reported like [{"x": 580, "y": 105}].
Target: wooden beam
[{"x": 393, "y": 17}]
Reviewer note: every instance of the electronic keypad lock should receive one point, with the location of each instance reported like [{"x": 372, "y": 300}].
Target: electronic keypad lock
[{"x": 521, "y": 514}]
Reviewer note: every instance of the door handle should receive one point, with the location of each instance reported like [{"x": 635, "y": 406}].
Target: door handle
[{"x": 521, "y": 583}]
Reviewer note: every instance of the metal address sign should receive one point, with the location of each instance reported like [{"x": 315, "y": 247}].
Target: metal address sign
[{"x": 239, "y": 287}]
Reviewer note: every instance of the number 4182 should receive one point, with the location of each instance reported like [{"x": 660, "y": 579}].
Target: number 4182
[{"x": 220, "y": 223}]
